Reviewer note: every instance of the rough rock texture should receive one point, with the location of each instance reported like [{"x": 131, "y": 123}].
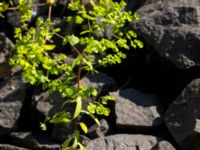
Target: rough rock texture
[
  {"x": 163, "y": 145},
  {"x": 124, "y": 142},
  {"x": 136, "y": 111},
  {"x": 96, "y": 132},
  {"x": 12, "y": 96},
  {"x": 183, "y": 117},
  {"x": 6, "y": 46},
  {"x": 28, "y": 140},
  {"x": 102, "y": 82},
  {"x": 10, "y": 147},
  {"x": 172, "y": 28}
]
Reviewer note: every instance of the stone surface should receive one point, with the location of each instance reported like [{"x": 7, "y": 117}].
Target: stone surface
[
  {"x": 136, "y": 110},
  {"x": 102, "y": 82},
  {"x": 163, "y": 145},
  {"x": 172, "y": 28},
  {"x": 10, "y": 147},
  {"x": 12, "y": 96},
  {"x": 28, "y": 140},
  {"x": 96, "y": 132},
  {"x": 183, "y": 117},
  {"x": 124, "y": 142},
  {"x": 6, "y": 46}
]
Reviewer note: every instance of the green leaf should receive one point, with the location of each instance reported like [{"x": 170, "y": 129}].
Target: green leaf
[
  {"x": 79, "y": 20},
  {"x": 133, "y": 34},
  {"x": 78, "y": 107},
  {"x": 61, "y": 117},
  {"x": 73, "y": 40},
  {"x": 70, "y": 91},
  {"x": 84, "y": 32},
  {"x": 136, "y": 16},
  {"x": 49, "y": 47},
  {"x": 65, "y": 41},
  {"x": 139, "y": 43},
  {"x": 82, "y": 147},
  {"x": 43, "y": 126},
  {"x": 91, "y": 108},
  {"x": 83, "y": 127},
  {"x": 92, "y": 116},
  {"x": 77, "y": 61},
  {"x": 66, "y": 143}
]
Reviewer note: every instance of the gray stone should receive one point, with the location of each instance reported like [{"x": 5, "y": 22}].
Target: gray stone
[
  {"x": 136, "y": 110},
  {"x": 12, "y": 96},
  {"x": 163, "y": 145},
  {"x": 124, "y": 142},
  {"x": 12, "y": 89},
  {"x": 10, "y": 147},
  {"x": 172, "y": 28},
  {"x": 6, "y": 46},
  {"x": 102, "y": 82},
  {"x": 96, "y": 131},
  {"x": 28, "y": 140},
  {"x": 183, "y": 117}
]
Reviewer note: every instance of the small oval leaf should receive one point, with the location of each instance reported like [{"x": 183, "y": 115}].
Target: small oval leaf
[{"x": 84, "y": 127}]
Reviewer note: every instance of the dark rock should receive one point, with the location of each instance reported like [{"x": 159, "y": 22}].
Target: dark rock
[
  {"x": 28, "y": 140},
  {"x": 13, "y": 18},
  {"x": 135, "y": 110},
  {"x": 163, "y": 145},
  {"x": 96, "y": 131},
  {"x": 172, "y": 28},
  {"x": 12, "y": 96},
  {"x": 10, "y": 147},
  {"x": 7, "y": 48},
  {"x": 102, "y": 82},
  {"x": 183, "y": 117},
  {"x": 124, "y": 142}
]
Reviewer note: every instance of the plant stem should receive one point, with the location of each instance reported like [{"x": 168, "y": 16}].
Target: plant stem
[
  {"x": 49, "y": 13},
  {"x": 78, "y": 77}
]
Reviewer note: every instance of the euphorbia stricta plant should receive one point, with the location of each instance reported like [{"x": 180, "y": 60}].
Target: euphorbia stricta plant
[{"x": 101, "y": 40}]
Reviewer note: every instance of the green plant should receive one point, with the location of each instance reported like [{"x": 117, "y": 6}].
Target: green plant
[{"x": 102, "y": 40}]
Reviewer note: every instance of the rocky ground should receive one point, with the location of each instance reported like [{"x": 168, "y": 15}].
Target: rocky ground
[{"x": 157, "y": 89}]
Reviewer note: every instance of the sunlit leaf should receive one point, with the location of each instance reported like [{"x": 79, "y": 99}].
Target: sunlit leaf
[
  {"x": 92, "y": 116},
  {"x": 49, "y": 47},
  {"x": 83, "y": 127},
  {"x": 78, "y": 107},
  {"x": 73, "y": 40}
]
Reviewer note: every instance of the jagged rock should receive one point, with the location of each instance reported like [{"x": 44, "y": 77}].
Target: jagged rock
[
  {"x": 172, "y": 28},
  {"x": 10, "y": 147},
  {"x": 96, "y": 131},
  {"x": 12, "y": 96},
  {"x": 6, "y": 46},
  {"x": 28, "y": 140},
  {"x": 163, "y": 145},
  {"x": 136, "y": 110},
  {"x": 102, "y": 82},
  {"x": 183, "y": 117},
  {"x": 124, "y": 142}
]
